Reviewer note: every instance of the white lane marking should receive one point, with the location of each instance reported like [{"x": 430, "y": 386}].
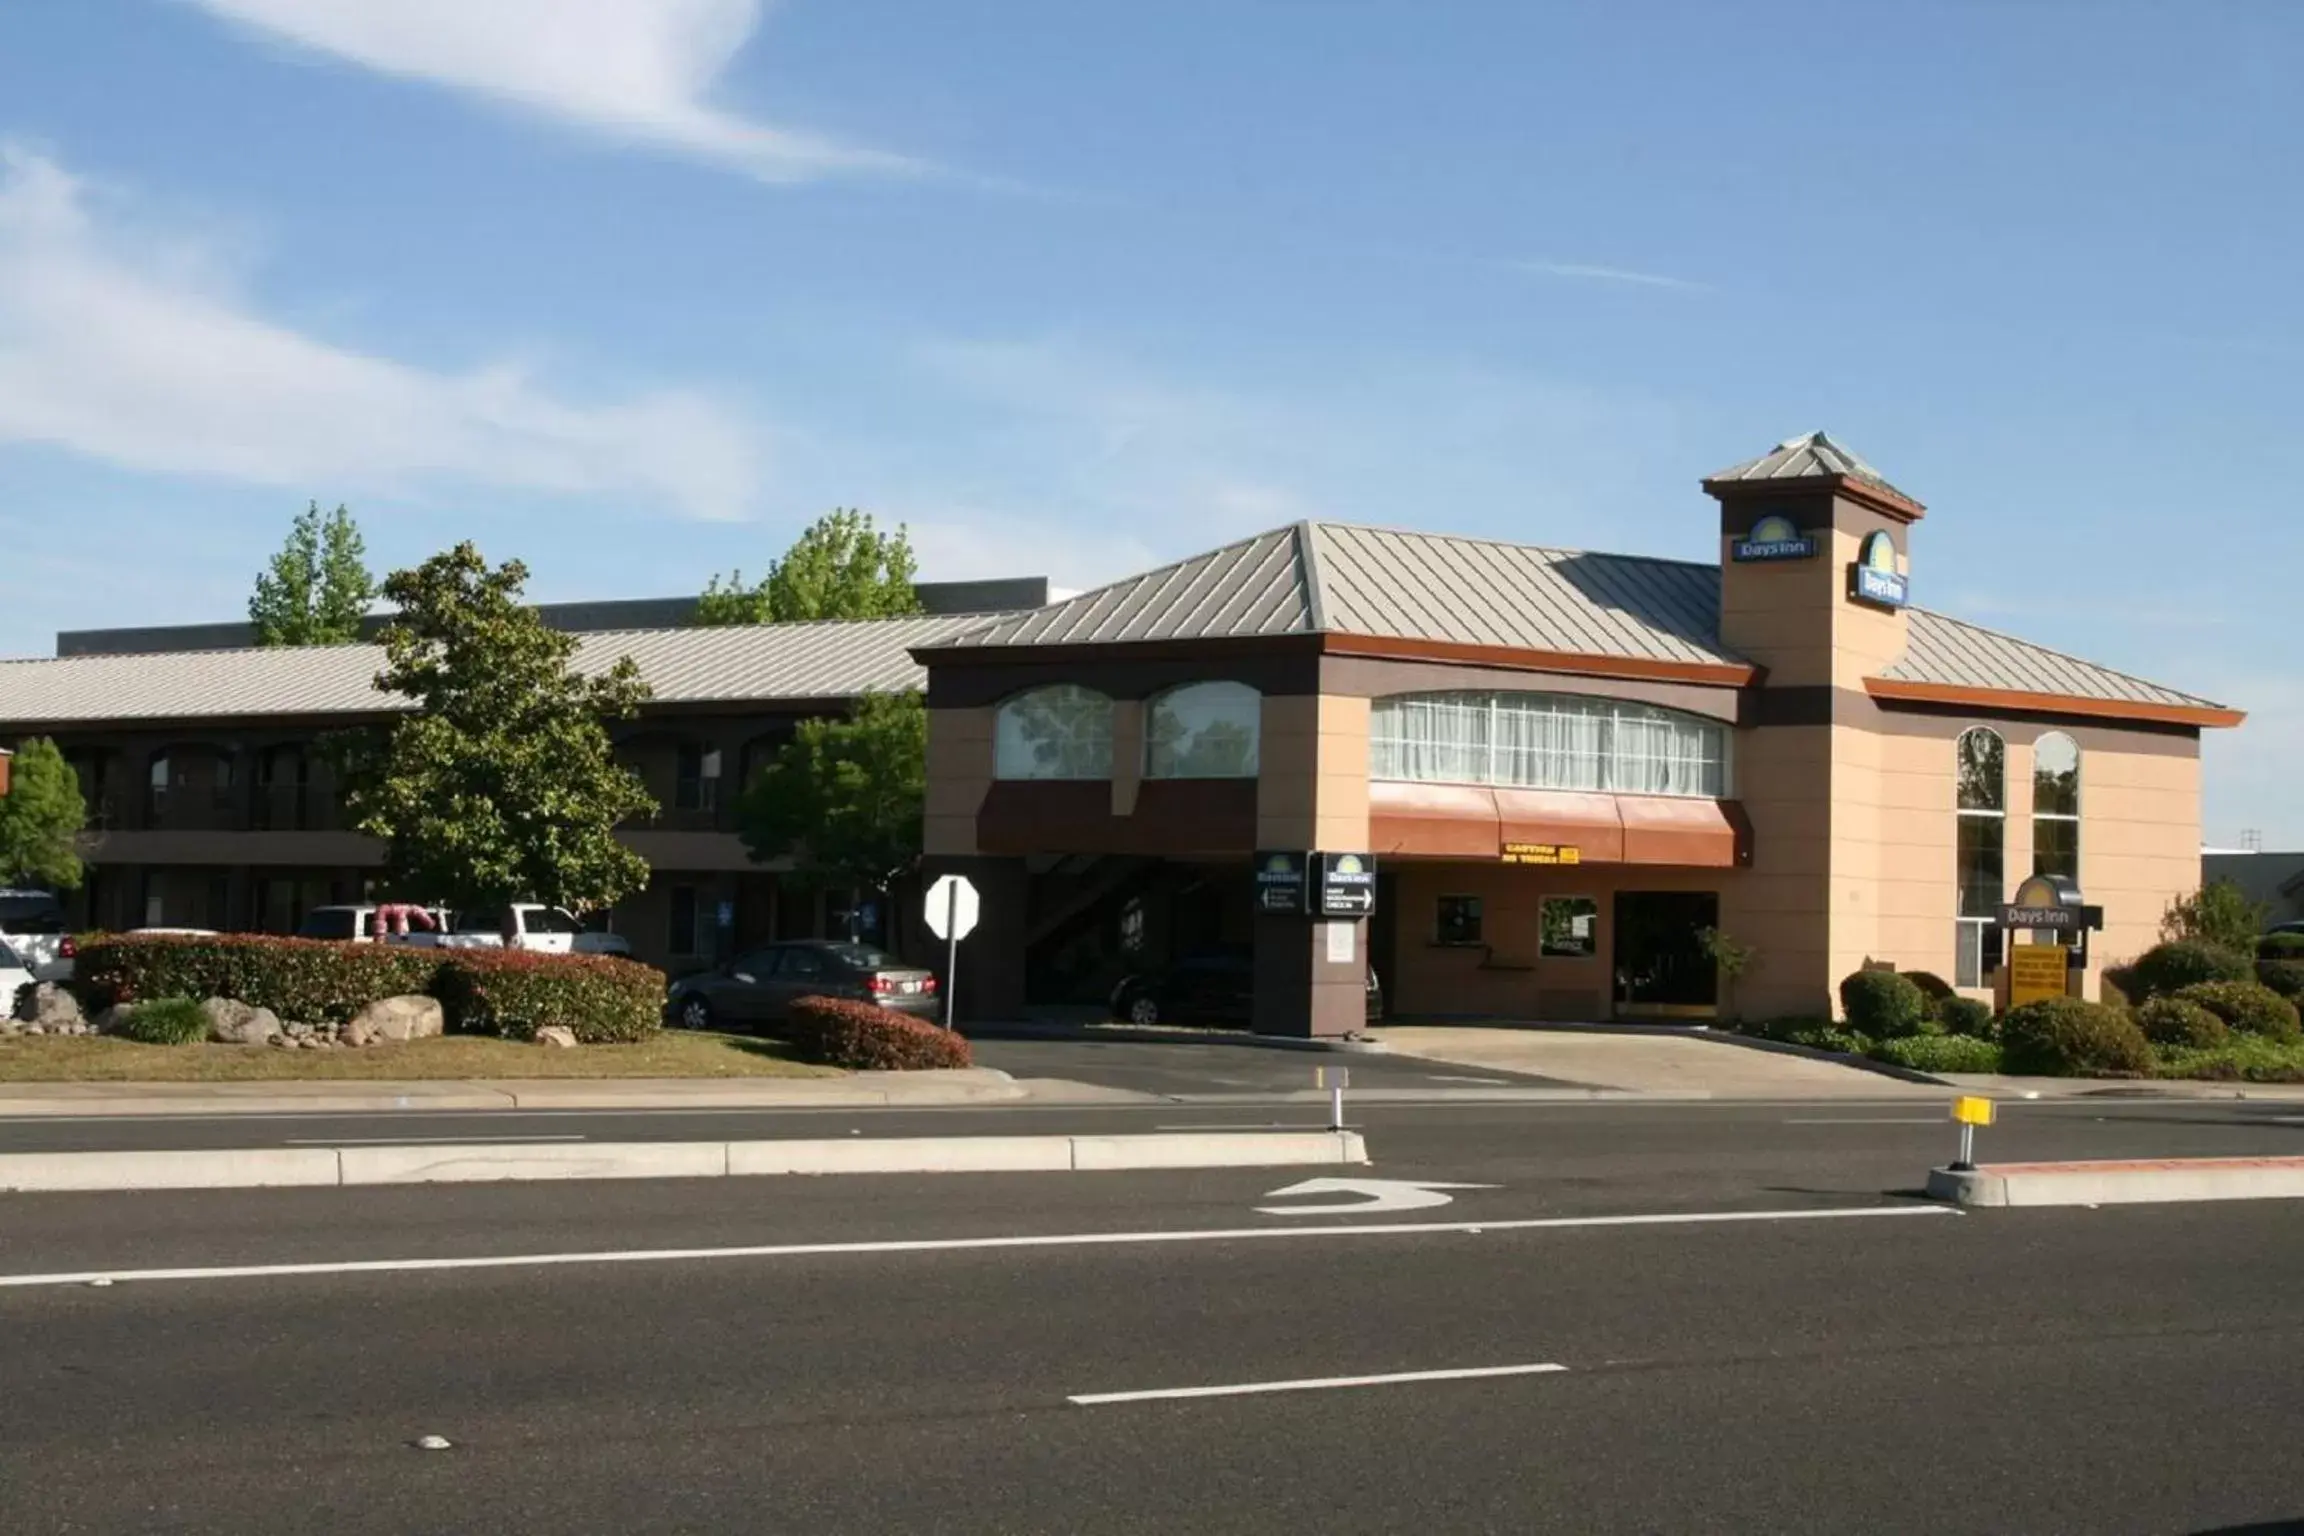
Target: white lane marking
[
  {"x": 963, "y": 1244},
  {"x": 1878, "y": 1120},
  {"x": 1440, "y": 1077},
  {"x": 1313, "y": 1384},
  {"x": 410, "y": 1141},
  {"x": 1364, "y": 1196}
]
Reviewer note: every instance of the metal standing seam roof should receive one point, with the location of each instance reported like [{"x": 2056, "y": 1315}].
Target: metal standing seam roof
[
  {"x": 1799, "y": 458},
  {"x": 1950, "y": 651},
  {"x": 736, "y": 664},
  {"x": 1259, "y": 586}
]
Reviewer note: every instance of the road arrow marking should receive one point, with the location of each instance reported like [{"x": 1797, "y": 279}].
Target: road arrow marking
[{"x": 1369, "y": 1195}]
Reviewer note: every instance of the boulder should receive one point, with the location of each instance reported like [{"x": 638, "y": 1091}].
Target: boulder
[
  {"x": 109, "y": 1021},
  {"x": 358, "y": 1031},
  {"x": 557, "y": 1034},
  {"x": 403, "y": 1018},
  {"x": 50, "y": 1006},
  {"x": 236, "y": 1023}
]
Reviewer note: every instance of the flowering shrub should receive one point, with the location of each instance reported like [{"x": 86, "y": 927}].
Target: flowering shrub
[{"x": 867, "y": 1038}]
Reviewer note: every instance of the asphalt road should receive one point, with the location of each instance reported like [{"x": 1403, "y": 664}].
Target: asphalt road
[
  {"x": 1188, "y": 1067},
  {"x": 2118, "y": 1371}
]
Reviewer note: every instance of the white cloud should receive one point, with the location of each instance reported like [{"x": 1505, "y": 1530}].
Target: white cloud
[
  {"x": 1590, "y": 273},
  {"x": 126, "y": 347},
  {"x": 638, "y": 70}
]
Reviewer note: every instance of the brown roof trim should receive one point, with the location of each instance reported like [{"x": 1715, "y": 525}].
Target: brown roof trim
[
  {"x": 1896, "y": 690},
  {"x": 1193, "y": 649},
  {"x": 1878, "y": 497},
  {"x": 1642, "y": 668}
]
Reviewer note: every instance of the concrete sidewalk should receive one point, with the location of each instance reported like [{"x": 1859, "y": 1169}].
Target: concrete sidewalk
[
  {"x": 1678, "y": 1063},
  {"x": 860, "y": 1090}
]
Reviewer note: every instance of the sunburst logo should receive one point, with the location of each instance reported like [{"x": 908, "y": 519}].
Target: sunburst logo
[{"x": 1774, "y": 537}]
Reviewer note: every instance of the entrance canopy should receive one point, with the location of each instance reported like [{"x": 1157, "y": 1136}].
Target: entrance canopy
[{"x": 1474, "y": 821}]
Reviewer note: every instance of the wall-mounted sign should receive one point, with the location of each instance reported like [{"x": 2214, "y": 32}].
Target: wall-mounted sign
[
  {"x": 1347, "y": 884},
  {"x": 1774, "y": 537},
  {"x": 1542, "y": 853},
  {"x": 2037, "y": 971},
  {"x": 1876, "y": 577},
  {"x": 1280, "y": 883}
]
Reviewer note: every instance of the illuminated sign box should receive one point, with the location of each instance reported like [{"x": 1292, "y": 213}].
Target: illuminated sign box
[
  {"x": 1774, "y": 537},
  {"x": 1874, "y": 578}
]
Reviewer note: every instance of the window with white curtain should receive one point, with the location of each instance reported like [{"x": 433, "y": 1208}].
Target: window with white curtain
[
  {"x": 1546, "y": 741},
  {"x": 1059, "y": 732},
  {"x": 1203, "y": 731}
]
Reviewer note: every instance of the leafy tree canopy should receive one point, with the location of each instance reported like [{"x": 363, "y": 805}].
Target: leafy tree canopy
[
  {"x": 843, "y": 567},
  {"x": 317, "y": 588},
  {"x": 40, "y": 819},
  {"x": 501, "y": 785},
  {"x": 2219, "y": 913},
  {"x": 844, "y": 796}
]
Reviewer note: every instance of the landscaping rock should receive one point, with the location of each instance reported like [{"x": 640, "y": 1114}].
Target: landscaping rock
[
  {"x": 359, "y": 1031},
  {"x": 557, "y": 1034},
  {"x": 236, "y": 1023},
  {"x": 50, "y": 1006},
  {"x": 109, "y": 1021},
  {"x": 404, "y": 1018}
]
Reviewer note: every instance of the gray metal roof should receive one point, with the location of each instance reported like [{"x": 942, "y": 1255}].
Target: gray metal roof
[
  {"x": 739, "y": 664},
  {"x": 1799, "y": 458},
  {"x": 1393, "y": 583},
  {"x": 1938, "y": 649}
]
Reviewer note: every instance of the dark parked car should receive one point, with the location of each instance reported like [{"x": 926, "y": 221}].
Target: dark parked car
[
  {"x": 756, "y": 990},
  {"x": 1218, "y": 987}
]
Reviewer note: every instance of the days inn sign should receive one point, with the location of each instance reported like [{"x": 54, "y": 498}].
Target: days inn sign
[{"x": 1774, "y": 537}]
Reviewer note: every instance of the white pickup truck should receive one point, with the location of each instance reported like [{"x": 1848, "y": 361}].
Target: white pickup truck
[{"x": 525, "y": 925}]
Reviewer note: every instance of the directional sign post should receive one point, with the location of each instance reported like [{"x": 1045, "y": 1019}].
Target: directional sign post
[
  {"x": 1334, "y": 1079},
  {"x": 951, "y": 910}
]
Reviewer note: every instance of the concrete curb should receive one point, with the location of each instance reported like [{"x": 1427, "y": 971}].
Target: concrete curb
[
  {"x": 2130, "y": 1182},
  {"x": 479, "y": 1162},
  {"x": 1157, "y": 1034}
]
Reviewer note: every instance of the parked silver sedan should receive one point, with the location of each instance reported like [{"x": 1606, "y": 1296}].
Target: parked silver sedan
[{"x": 756, "y": 990}]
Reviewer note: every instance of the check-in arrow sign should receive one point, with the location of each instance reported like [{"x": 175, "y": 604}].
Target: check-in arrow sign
[{"x": 1365, "y": 1195}]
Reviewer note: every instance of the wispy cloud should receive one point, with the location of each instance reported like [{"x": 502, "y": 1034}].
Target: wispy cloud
[
  {"x": 123, "y": 343},
  {"x": 1586, "y": 272},
  {"x": 636, "y": 70}
]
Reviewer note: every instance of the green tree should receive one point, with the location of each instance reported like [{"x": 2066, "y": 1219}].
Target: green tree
[
  {"x": 844, "y": 796},
  {"x": 40, "y": 819},
  {"x": 317, "y": 589},
  {"x": 1732, "y": 959},
  {"x": 2219, "y": 913},
  {"x": 843, "y": 567},
  {"x": 501, "y": 785}
]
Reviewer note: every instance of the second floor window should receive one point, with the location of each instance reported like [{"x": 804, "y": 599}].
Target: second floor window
[
  {"x": 1546, "y": 741},
  {"x": 1061, "y": 732},
  {"x": 697, "y": 787},
  {"x": 1203, "y": 731}
]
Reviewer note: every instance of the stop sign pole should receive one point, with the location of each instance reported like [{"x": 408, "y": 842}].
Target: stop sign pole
[{"x": 951, "y": 912}]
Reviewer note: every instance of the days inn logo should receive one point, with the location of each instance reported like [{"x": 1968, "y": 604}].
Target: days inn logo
[
  {"x": 1877, "y": 576},
  {"x": 1774, "y": 537}
]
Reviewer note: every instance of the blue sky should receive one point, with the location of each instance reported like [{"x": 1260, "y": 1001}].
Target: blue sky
[{"x": 633, "y": 290}]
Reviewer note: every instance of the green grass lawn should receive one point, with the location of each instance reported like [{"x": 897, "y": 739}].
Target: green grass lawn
[{"x": 675, "y": 1053}]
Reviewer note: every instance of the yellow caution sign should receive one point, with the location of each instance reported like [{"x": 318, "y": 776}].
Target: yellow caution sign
[{"x": 1969, "y": 1110}]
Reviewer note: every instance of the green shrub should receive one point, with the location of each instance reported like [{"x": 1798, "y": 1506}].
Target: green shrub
[
  {"x": 1830, "y": 1037},
  {"x": 513, "y": 993},
  {"x": 303, "y": 979},
  {"x": 2068, "y": 1037},
  {"x": 2240, "y": 1059},
  {"x": 1939, "y": 1053},
  {"x": 2177, "y": 1024},
  {"x": 165, "y": 1021},
  {"x": 1932, "y": 986},
  {"x": 2169, "y": 968},
  {"x": 867, "y": 1038},
  {"x": 2248, "y": 1008},
  {"x": 2280, "y": 946},
  {"x": 1966, "y": 1016},
  {"x": 1884, "y": 1004},
  {"x": 2285, "y": 977}
]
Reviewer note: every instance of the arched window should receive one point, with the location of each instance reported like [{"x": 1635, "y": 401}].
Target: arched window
[
  {"x": 2056, "y": 806},
  {"x": 1981, "y": 766},
  {"x": 1204, "y": 731},
  {"x": 1059, "y": 732},
  {"x": 1546, "y": 741}
]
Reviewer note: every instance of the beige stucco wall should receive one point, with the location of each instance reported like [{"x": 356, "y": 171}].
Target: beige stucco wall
[{"x": 1312, "y": 780}]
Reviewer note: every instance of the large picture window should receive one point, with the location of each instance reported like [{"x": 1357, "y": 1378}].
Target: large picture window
[
  {"x": 1204, "y": 731},
  {"x": 2056, "y": 806},
  {"x": 1981, "y": 767},
  {"x": 1546, "y": 741},
  {"x": 1061, "y": 732}
]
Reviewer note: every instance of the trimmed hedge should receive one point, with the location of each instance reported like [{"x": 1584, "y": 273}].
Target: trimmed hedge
[
  {"x": 484, "y": 991},
  {"x": 2285, "y": 977},
  {"x": 2242, "y": 1059},
  {"x": 1967, "y": 1016},
  {"x": 865, "y": 1037},
  {"x": 303, "y": 979},
  {"x": 2165, "y": 969},
  {"x": 164, "y": 1021},
  {"x": 2069, "y": 1037},
  {"x": 513, "y": 993},
  {"x": 2280, "y": 946},
  {"x": 1939, "y": 1053},
  {"x": 1886, "y": 1005},
  {"x": 2248, "y": 1008},
  {"x": 1932, "y": 986},
  {"x": 2178, "y": 1024}
]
